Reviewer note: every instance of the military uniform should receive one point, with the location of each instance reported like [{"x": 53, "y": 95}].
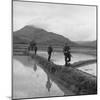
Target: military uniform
[
  {"x": 66, "y": 51},
  {"x": 50, "y": 49},
  {"x": 35, "y": 49}
]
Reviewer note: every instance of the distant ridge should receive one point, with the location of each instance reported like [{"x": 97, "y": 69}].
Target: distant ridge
[
  {"x": 87, "y": 43},
  {"x": 41, "y": 36}
]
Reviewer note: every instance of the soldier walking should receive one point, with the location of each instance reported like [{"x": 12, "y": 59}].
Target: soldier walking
[
  {"x": 35, "y": 49},
  {"x": 50, "y": 50},
  {"x": 67, "y": 54}
]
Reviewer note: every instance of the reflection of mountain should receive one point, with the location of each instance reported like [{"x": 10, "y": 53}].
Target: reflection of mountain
[{"x": 41, "y": 36}]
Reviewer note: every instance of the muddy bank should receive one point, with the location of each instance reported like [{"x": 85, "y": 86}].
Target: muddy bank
[
  {"x": 83, "y": 63},
  {"x": 69, "y": 77}
]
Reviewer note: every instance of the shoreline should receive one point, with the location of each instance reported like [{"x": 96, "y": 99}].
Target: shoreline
[
  {"x": 24, "y": 51},
  {"x": 77, "y": 81},
  {"x": 84, "y": 50}
]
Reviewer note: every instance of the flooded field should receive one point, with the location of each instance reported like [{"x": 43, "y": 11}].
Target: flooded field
[
  {"x": 30, "y": 80},
  {"x": 58, "y": 57}
]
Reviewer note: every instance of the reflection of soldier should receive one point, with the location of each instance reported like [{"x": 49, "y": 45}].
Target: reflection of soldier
[
  {"x": 35, "y": 67},
  {"x": 50, "y": 50},
  {"x": 48, "y": 84},
  {"x": 67, "y": 54}
]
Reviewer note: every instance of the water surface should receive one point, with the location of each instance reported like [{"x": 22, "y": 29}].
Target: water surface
[
  {"x": 30, "y": 80},
  {"x": 58, "y": 57}
]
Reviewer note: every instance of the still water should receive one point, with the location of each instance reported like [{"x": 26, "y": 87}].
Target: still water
[{"x": 30, "y": 80}]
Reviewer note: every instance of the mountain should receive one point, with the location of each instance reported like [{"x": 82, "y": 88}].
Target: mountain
[
  {"x": 41, "y": 36},
  {"x": 87, "y": 43}
]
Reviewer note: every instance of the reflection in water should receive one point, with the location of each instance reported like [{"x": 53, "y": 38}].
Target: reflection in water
[
  {"x": 91, "y": 69},
  {"x": 35, "y": 67},
  {"x": 28, "y": 83},
  {"x": 48, "y": 84},
  {"x": 29, "y": 58},
  {"x": 58, "y": 58}
]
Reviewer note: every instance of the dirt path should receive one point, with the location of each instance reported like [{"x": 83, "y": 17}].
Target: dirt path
[
  {"x": 69, "y": 77},
  {"x": 83, "y": 63}
]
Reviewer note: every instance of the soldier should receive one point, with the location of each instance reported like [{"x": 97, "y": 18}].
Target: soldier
[
  {"x": 32, "y": 45},
  {"x": 66, "y": 56},
  {"x": 50, "y": 50},
  {"x": 66, "y": 47},
  {"x": 66, "y": 51},
  {"x": 69, "y": 56},
  {"x": 35, "y": 49}
]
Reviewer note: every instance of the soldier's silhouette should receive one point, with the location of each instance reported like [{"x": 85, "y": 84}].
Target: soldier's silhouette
[
  {"x": 50, "y": 50},
  {"x": 32, "y": 45},
  {"x": 35, "y": 49},
  {"x": 48, "y": 84},
  {"x": 67, "y": 54}
]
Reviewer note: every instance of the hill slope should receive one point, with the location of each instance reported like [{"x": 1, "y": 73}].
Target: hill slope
[
  {"x": 87, "y": 43},
  {"x": 29, "y": 33}
]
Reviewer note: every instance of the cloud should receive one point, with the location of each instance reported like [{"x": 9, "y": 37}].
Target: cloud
[{"x": 72, "y": 21}]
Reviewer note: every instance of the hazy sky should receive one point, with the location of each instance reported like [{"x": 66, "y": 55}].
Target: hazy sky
[{"x": 78, "y": 23}]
